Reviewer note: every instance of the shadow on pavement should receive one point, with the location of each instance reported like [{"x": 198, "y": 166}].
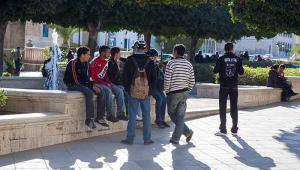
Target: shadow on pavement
[
  {"x": 291, "y": 140},
  {"x": 248, "y": 155}
]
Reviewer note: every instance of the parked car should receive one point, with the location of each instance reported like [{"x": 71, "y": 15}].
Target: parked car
[{"x": 267, "y": 57}]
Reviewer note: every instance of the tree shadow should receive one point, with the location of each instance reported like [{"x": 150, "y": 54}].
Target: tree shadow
[
  {"x": 291, "y": 140},
  {"x": 248, "y": 155},
  {"x": 182, "y": 159}
]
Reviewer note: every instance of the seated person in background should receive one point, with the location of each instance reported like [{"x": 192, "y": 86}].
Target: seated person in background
[
  {"x": 276, "y": 79},
  {"x": 76, "y": 79},
  {"x": 99, "y": 70},
  {"x": 114, "y": 75}
]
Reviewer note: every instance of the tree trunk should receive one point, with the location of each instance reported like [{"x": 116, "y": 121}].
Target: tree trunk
[
  {"x": 93, "y": 29},
  {"x": 2, "y": 35},
  {"x": 192, "y": 52},
  {"x": 147, "y": 37}
]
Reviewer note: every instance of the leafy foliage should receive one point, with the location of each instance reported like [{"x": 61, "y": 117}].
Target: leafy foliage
[
  {"x": 3, "y": 98},
  {"x": 65, "y": 32}
]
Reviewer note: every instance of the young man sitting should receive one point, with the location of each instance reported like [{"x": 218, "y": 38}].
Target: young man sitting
[
  {"x": 114, "y": 75},
  {"x": 99, "y": 74},
  {"x": 76, "y": 79}
]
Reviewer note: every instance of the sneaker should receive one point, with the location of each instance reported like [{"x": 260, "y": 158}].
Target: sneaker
[
  {"x": 138, "y": 118},
  {"x": 234, "y": 134},
  {"x": 90, "y": 124},
  {"x": 102, "y": 122},
  {"x": 127, "y": 142},
  {"x": 220, "y": 134},
  {"x": 174, "y": 142},
  {"x": 295, "y": 94},
  {"x": 166, "y": 124},
  {"x": 112, "y": 119},
  {"x": 122, "y": 117},
  {"x": 160, "y": 125},
  {"x": 148, "y": 142},
  {"x": 189, "y": 136}
]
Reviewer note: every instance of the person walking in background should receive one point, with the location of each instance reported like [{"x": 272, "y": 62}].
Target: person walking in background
[
  {"x": 18, "y": 61},
  {"x": 114, "y": 75},
  {"x": 77, "y": 78},
  {"x": 99, "y": 75},
  {"x": 158, "y": 91},
  {"x": 229, "y": 66},
  {"x": 138, "y": 80},
  {"x": 179, "y": 80}
]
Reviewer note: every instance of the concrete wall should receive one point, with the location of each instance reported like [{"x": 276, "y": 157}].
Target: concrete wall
[{"x": 249, "y": 96}]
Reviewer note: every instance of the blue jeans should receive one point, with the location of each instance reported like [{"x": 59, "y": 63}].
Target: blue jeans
[
  {"x": 108, "y": 95},
  {"x": 160, "y": 105},
  {"x": 133, "y": 105},
  {"x": 176, "y": 109},
  {"x": 118, "y": 91}
]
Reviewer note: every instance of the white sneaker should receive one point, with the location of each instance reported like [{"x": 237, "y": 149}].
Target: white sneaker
[
  {"x": 220, "y": 134},
  {"x": 138, "y": 118},
  {"x": 234, "y": 134}
]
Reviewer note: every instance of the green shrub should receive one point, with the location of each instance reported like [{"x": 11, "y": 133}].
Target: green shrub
[
  {"x": 254, "y": 76},
  {"x": 3, "y": 98},
  {"x": 204, "y": 73},
  {"x": 6, "y": 74}
]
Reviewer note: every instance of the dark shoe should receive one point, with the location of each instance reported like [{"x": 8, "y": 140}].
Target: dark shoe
[
  {"x": 174, "y": 142},
  {"x": 294, "y": 94},
  {"x": 90, "y": 124},
  {"x": 160, "y": 125},
  {"x": 122, "y": 117},
  {"x": 148, "y": 142},
  {"x": 189, "y": 136},
  {"x": 102, "y": 122},
  {"x": 112, "y": 119},
  {"x": 166, "y": 124},
  {"x": 127, "y": 142}
]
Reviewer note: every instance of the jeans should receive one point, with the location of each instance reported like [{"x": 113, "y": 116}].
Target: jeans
[
  {"x": 118, "y": 91},
  {"x": 109, "y": 101},
  {"x": 89, "y": 104},
  {"x": 133, "y": 105},
  {"x": 160, "y": 105},
  {"x": 176, "y": 109},
  {"x": 233, "y": 95}
]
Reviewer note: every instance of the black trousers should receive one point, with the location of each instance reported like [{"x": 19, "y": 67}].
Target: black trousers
[
  {"x": 89, "y": 104},
  {"x": 232, "y": 92}
]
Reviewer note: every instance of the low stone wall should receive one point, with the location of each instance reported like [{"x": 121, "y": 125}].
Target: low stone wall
[
  {"x": 51, "y": 117},
  {"x": 249, "y": 96},
  {"x": 22, "y": 82}
]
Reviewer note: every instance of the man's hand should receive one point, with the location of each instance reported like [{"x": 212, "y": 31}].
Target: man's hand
[{"x": 96, "y": 89}]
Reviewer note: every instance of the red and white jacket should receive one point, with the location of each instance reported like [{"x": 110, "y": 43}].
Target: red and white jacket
[{"x": 98, "y": 71}]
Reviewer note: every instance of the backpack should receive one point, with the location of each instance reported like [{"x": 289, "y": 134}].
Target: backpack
[{"x": 139, "y": 88}]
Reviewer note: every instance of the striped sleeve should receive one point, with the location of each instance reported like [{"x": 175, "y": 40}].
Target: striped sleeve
[{"x": 168, "y": 78}]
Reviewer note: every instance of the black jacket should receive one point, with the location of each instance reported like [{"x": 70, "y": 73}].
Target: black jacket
[
  {"x": 159, "y": 81},
  {"x": 130, "y": 69},
  {"x": 229, "y": 66},
  {"x": 81, "y": 72},
  {"x": 114, "y": 73}
]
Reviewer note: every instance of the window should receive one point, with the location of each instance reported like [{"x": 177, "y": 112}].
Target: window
[{"x": 45, "y": 30}]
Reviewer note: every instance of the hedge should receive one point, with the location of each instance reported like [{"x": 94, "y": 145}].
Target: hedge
[
  {"x": 3, "y": 98},
  {"x": 253, "y": 76}
]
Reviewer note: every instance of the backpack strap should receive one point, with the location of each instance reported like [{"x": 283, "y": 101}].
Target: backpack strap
[
  {"x": 136, "y": 64},
  {"x": 73, "y": 64}
]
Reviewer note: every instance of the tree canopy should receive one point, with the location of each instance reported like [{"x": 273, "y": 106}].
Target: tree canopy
[{"x": 268, "y": 16}]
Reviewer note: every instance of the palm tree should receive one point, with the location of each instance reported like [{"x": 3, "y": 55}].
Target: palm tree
[{"x": 65, "y": 32}]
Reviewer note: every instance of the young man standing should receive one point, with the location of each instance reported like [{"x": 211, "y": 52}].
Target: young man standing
[
  {"x": 77, "y": 78},
  {"x": 158, "y": 91},
  {"x": 99, "y": 68},
  {"x": 179, "y": 80},
  {"x": 114, "y": 75},
  {"x": 229, "y": 66},
  {"x": 139, "y": 76}
]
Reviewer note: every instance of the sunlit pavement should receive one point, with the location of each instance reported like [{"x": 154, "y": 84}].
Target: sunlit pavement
[{"x": 269, "y": 138}]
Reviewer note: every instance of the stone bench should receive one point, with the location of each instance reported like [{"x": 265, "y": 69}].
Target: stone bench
[
  {"x": 249, "y": 96},
  {"x": 38, "y": 118}
]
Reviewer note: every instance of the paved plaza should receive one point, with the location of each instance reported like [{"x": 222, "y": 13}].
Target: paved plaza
[{"x": 269, "y": 139}]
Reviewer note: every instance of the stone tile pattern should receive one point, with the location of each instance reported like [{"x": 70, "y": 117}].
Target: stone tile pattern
[{"x": 269, "y": 139}]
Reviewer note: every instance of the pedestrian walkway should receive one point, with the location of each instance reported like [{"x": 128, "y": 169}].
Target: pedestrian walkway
[{"x": 269, "y": 139}]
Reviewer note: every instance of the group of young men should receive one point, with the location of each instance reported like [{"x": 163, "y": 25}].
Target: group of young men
[{"x": 134, "y": 79}]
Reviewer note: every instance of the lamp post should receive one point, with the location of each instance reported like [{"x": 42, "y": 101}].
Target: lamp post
[{"x": 162, "y": 47}]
